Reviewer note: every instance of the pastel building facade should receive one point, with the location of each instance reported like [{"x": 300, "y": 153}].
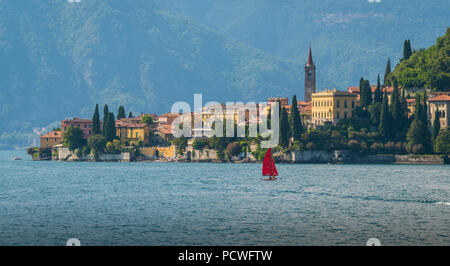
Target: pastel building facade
[
  {"x": 86, "y": 125},
  {"x": 332, "y": 106}
]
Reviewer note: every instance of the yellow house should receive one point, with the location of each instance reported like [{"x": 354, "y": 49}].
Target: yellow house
[
  {"x": 50, "y": 139},
  {"x": 133, "y": 132},
  {"x": 331, "y": 106}
]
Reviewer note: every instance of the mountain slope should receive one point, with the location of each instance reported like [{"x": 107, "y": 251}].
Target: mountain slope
[
  {"x": 350, "y": 38},
  {"x": 427, "y": 68},
  {"x": 57, "y": 59}
]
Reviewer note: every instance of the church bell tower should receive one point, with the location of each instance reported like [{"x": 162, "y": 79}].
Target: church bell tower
[{"x": 310, "y": 77}]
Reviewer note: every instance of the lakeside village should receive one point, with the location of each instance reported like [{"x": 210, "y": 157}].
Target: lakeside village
[{"x": 382, "y": 123}]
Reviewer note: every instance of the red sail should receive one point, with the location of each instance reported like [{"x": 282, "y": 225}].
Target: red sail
[{"x": 269, "y": 168}]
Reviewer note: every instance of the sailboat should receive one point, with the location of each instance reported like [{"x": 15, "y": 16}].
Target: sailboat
[{"x": 269, "y": 169}]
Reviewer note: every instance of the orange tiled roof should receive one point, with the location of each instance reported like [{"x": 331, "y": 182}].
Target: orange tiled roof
[
  {"x": 52, "y": 134},
  {"x": 441, "y": 98},
  {"x": 353, "y": 89},
  {"x": 165, "y": 129},
  {"x": 77, "y": 120},
  {"x": 131, "y": 125}
]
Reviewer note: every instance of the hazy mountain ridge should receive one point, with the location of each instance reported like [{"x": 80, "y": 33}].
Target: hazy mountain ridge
[
  {"x": 58, "y": 58},
  {"x": 350, "y": 38}
]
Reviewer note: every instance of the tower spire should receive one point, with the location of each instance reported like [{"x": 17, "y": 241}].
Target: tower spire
[{"x": 310, "y": 59}]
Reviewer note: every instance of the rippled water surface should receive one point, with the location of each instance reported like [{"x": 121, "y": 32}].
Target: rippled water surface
[{"x": 45, "y": 203}]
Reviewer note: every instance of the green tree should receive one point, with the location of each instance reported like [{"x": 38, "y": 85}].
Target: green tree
[
  {"x": 146, "y": 119},
  {"x": 96, "y": 121},
  {"x": 97, "y": 143},
  {"x": 110, "y": 128},
  {"x": 105, "y": 117},
  {"x": 385, "y": 127},
  {"x": 387, "y": 72},
  {"x": 407, "y": 51},
  {"x": 295, "y": 120},
  {"x": 284, "y": 128},
  {"x": 121, "y": 113},
  {"x": 130, "y": 115},
  {"x": 417, "y": 132},
  {"x": 73, "y": 138},
  {"x": 200, "y": 144},
  {"x": 378, "y": 97},
  {"x": 396, "y": 112},
  {"x": 436, "y": 125},
  {"x": 365, "y": 93},
  {"x": 442, "y": 142},
  {"x": 181, "y": 144}
]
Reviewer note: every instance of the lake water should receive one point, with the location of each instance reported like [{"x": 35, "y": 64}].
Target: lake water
[{"x": 46, "y": 203}]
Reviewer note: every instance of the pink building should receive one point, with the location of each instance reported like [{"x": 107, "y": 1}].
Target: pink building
[{"x": 86, "y": 125}]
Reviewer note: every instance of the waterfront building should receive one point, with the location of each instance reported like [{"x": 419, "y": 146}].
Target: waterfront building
[
  {"x": 85, "y": 125},
  {"x": 132, "y": 131},
  {"x": 331, "y": 106},
  {"x": 442, "y": 105},
  {"x": 50, "y": 139}
]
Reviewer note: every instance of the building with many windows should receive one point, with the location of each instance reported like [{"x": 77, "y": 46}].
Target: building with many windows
[
  {"x": 331, "y": 106},
  {"x": 86, "y": 125},
  {"x": 132, "y": 130},
  {"x": 50, "y": 139},
  {"x": 442, "y": 105}
]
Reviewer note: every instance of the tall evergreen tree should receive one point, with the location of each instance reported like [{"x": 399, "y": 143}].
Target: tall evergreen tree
[
  {"x": 96, "y": 121},
  {"x": 410, "y": 52},
  {"x": 105, "y": 117},
  {"x": 396, "y": 112},
  {"x": 407, "y": 51},
  {"x": 378, "y": 97},
  {"x": 387, "y": 72},
  {"x": 436, "y": 125},
  {"x": 295, "y": 120},
  {"x": 110, "y": 128},
  {"x": 365, "y": 92},
  {"x": 385, "y": 126},
  {"x": 130, "y": 115},
  {"x": 425, "y": 123},
  {"x": 284, "y": 128},
  {"x": 121, "y": 113}
]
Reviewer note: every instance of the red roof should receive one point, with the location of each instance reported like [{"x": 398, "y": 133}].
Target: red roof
[
  {"x": 165, "y": 129},
  {"x": 441, "y": 98},
  {"x": 52, "y": 134},
  {"x": 353, "y": 89},
  {"x": 76, "y": 120}
]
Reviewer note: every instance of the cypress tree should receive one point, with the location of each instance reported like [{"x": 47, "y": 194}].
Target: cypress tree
[
  {"x": 378, "y": 97},
  {"x": 368, "y": 92},
  {"x": 365, "y": 92},
  {"x": 396, "y": 111},
  {"x": 387, "y": 72},
  {"x": 436, "y": 125},
  {"x": 385, "y": 127},
  {"x": 427, "y": 134},
  {"x": 121, "y": 113},
  {"x": 284, "y": 128},
  {"x": 409, "y": 49},
  {"x": 295, "y": 120},
  {"x": 130, "y": 115},
  {"x": 105, "y": 117},
  {"x": 405, "y": 50},
  {"x": 416, "y": 134},
  {"x": 110, "y": 128},
  {"x": 96, "y": 121}
]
